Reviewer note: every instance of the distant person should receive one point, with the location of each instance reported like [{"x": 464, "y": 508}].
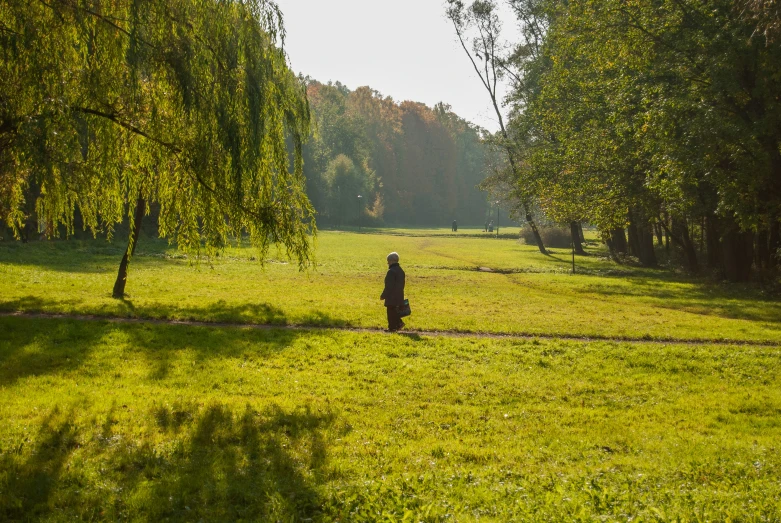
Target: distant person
[
  {"x": 393, "y": 294},
  {"x": 491, "y": 226},
  {"x": 486, "y": 226},
  {"x": 454, "y": 226}
]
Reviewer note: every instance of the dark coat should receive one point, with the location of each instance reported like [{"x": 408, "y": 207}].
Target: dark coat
[{"x": 394, "y": 286}]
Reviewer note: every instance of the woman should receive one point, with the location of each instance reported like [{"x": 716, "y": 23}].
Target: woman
[{"x": 394, "y": 292}]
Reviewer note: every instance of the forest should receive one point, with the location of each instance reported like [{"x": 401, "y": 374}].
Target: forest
[
  {"x": 657, "y": 122},
  {"x": 411, "y": 164}
]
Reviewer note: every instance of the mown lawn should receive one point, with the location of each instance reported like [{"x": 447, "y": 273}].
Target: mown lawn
[
  {"x": 172, "y": 423},
  {"x": 525, "y": 292}
]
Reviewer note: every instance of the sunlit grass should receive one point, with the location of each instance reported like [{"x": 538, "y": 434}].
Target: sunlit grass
[
  {"x": 525, "y": 293},
  {"x": 150, "y": 422}
]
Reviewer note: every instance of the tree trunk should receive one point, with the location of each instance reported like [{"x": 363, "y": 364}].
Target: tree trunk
[
  {"x": 773, "y": 146},
  {"x": 26, "y": 231},
  {"x": 536, "y": 233},
  {"x": 580, "y": 231},
  {"x": 514, "y": 167},
  {"x": 666, "y": 232},
  {"x": 634, "y": 246},
  {"x": 763, "y": 249},
  {"x": 680, "y": 234},
  {"x": 575, "y": 232},
  {"x": 618, "y": 239},
  {"x": 737, "y": 254},
  {"x": 702, "y": 235},
  {"x": 645, "y": 239},
  {"x": 713, "y": 243},
  {"x": 119, "y": 285},
  {"x": 612, "y": 251},
  {"x": 640, "y": 230},
  {"x": 774, "y": 243},
  {"x": 658, "y": 231}
]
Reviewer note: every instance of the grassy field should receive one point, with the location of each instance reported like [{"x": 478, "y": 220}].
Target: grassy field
[
  {"x": 525, "y": 292},
  {"x": 172, "y": 423},
  {"x": 152, "y": 422}
]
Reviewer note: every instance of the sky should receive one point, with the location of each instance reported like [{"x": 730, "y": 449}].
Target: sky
[{"x": 405, "y": 49}]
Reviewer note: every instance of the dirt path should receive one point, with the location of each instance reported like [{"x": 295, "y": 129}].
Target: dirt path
[{"x": 409, "y": 333}]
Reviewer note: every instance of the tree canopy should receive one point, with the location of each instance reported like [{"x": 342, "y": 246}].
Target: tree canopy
[
  {"x": 412, "y": 164},
  {"x": 189, "y": 104},
  {"x": 659, "y": 117}
]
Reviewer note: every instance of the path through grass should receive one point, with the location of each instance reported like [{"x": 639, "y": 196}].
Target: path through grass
[{"x": 527, "y": 292}]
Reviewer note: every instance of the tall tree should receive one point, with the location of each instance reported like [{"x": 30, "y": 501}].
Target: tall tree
[
  {"x": 108, "y": 106},
  {"x": 480, "y": 19},
  {"x": 664, "y": 115}
]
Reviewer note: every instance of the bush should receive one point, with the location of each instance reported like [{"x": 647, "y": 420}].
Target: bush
[{"x": 558, "y": 237}]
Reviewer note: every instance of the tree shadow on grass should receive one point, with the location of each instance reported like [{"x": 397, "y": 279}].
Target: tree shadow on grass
[
  {"x": 250, "y": 465},
  {"x": 216, "y": 312},
  {"x": 725, "y": 301},
  {"x": 81, "y": 256},
  {"x": 34, "y": 347},
  {"x": 211, "y": 312},
  {"x": 30, "y": 481},
  {"x": 223, "y": 312},
  {"x": 162, "y": 345},
  {"x": 208, "y": 463},
  {"x": 35, "y": 304}
]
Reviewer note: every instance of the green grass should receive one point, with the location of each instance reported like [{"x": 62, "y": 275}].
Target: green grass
[
  {"x": 171, "y": 423},
  {"x": 150, "y": 422},
  {"x": 526, "y": 292},
  {"x": 505, "y": 232}
]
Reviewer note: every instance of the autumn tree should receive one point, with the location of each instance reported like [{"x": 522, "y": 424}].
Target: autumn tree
[
  {"x": 425, "y": 162},
  {"x": 472, "y": 159}
]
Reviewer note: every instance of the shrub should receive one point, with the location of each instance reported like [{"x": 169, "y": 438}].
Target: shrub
[{"x": 558, "y": 237}]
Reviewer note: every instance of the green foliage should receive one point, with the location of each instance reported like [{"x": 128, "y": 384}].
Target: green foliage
[
  {"x": 665, "y": 109},
  {"x": 154, "y": 422},
  {"x": 187, "y": 104},
  {"x": 345, "y": 182},
  {"x": 421, "y": 165},
  {"x": 766, "y": 14}
]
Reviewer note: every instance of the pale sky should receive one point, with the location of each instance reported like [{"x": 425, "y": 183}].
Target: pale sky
[{"x": 406, "y": 49}]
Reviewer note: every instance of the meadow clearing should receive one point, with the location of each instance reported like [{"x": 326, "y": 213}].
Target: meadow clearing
[
  {"x": 526, "y": 293},
  {"x": 155, "y": 422}
]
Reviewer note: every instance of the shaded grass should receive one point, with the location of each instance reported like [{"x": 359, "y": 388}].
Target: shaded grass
[
  {"x": 155, "y": 422},
  {"x": 527, "y": 293}
]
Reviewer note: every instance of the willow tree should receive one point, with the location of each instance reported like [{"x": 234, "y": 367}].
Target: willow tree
[{"x": 107, "y": 106}]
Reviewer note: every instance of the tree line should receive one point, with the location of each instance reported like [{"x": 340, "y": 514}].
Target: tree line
[
  {"x": 654, "y": 121},
  {"x": 410, "y": 163}
]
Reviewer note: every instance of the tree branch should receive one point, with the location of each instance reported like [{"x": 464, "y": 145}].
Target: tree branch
[
  {"x": 114, "y": 117},
  {"x": 477, "y": 70}
]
